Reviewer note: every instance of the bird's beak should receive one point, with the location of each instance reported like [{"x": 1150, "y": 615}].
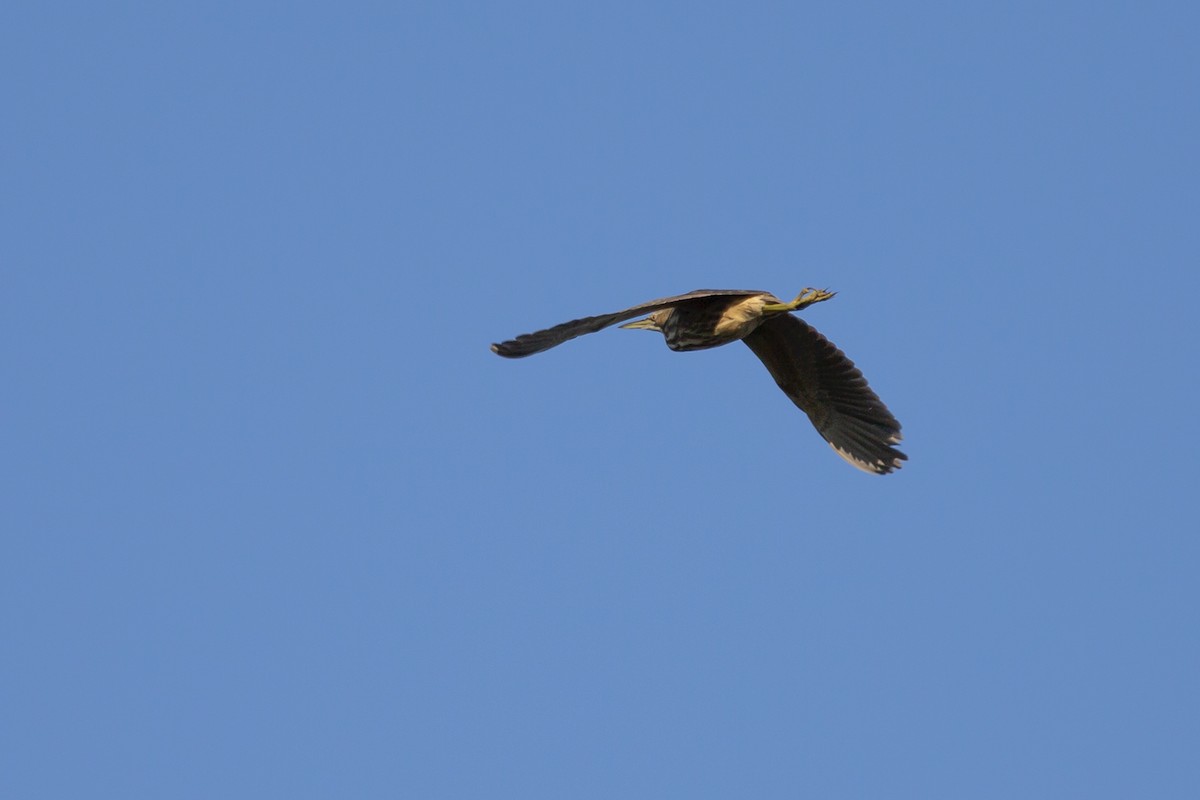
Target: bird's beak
[{"x": 646, "y": 324}]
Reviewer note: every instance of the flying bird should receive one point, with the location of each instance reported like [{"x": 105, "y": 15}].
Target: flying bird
[{"x": 810, "y": 369}]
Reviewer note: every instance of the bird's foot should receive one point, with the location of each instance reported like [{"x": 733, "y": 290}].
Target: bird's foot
[
  {"x": 803, "y": 300},
  {"x": 810, "y": 296}
]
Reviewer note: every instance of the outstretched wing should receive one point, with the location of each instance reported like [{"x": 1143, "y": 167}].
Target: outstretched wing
[
  {"x": 529, "y": 343},
  {"x": 826, "y": 386}
]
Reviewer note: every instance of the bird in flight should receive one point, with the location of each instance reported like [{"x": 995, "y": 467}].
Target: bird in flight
[{"x": 810, "y": 369}]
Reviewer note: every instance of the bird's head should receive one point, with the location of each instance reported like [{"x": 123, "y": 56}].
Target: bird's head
[{"x": 654, "y": 322}]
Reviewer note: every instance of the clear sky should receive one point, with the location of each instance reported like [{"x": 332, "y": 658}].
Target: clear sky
[{"x": 278, "y": 524}]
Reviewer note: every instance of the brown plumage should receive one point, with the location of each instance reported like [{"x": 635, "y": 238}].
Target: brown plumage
[{"x": 810, "y": 370}]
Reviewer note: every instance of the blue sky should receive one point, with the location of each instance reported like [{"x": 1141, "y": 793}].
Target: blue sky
[{"x": 279, "y": 524}]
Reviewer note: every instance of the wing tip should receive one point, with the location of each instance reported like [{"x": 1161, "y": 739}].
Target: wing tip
[
  {"x": 511, "y": 349},
  {"x": 878, "y": 466}
]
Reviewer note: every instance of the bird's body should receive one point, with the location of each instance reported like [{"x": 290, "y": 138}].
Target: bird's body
[
  {"x": 809, "y": 369},
  {"x": 691, "y": 326}
]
